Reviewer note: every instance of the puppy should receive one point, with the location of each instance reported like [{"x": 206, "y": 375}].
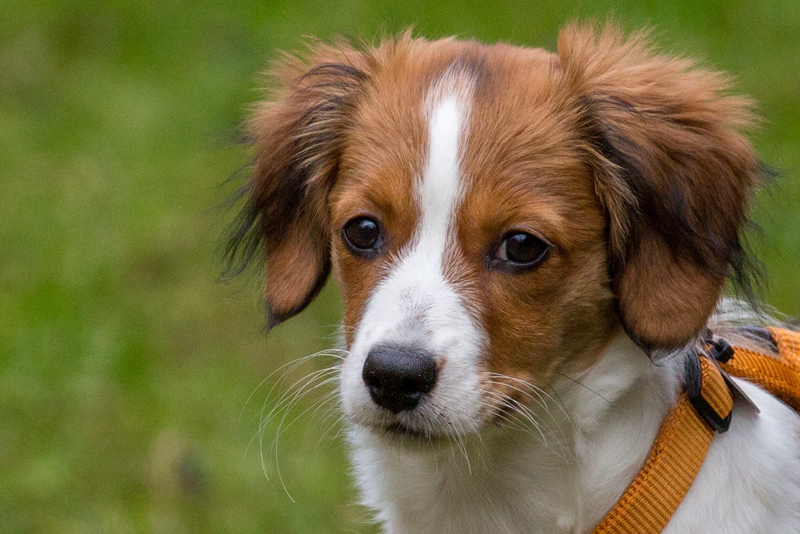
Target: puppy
[{"x": 526, "y": 243}]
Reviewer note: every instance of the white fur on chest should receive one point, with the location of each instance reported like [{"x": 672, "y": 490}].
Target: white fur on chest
[{"x": 498, "y": 489}]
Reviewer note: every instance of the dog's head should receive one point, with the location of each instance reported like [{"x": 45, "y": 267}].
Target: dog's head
[{"x": 494, "y": 215}]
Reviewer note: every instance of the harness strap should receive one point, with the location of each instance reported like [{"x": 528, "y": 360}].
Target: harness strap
[
  {"x": 674, "y": 460},
  {"x": 779, "y": 375}
]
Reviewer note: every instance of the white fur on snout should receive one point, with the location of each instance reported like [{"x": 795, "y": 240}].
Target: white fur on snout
[{"x": 415, "y": 306}]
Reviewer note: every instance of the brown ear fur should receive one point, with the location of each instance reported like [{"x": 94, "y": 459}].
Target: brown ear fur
[
  {"x": 674, "y": 173},
  {"x": 298, "y": 135}
]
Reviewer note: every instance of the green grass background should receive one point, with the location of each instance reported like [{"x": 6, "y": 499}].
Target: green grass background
[{"x": 125, "y": 370}]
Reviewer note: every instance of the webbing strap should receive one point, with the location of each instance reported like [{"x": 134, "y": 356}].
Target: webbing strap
[
  {"x": 675, "y": 459},
  {"x": 685, "y": 435},
  {"x": 779, "y": 375}
]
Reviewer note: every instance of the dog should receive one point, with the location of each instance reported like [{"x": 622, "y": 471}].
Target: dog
[{"x": 526, "y": 243}]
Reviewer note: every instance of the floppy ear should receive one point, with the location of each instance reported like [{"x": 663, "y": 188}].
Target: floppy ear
[
  {"x": 674, "y": 173},
  {"x": 298, "y": 136}
]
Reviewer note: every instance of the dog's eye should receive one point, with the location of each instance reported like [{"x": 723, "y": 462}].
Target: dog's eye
[
  {"x": 519, "y": 251},
  {"x": 362, "y": 235}
]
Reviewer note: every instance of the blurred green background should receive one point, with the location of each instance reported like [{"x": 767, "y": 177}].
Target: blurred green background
[{"x": 125, "y": 369}]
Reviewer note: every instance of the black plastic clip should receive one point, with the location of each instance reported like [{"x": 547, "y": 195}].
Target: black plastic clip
[
  {"x": 721, "y": 350},
  {"x": 694, "y": 390}
]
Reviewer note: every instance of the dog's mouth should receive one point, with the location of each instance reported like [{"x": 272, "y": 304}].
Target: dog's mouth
[
  {"x": 399, "y": 433},
  {"x": 399, "y": 429},
  {"x": 403, "y": 432}
]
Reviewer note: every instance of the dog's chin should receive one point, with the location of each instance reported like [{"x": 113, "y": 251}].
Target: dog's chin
[
  {"x": 419, "y": 437},
  {"x": 398, "y": 434},
  {"x": 405, "y": 436}
]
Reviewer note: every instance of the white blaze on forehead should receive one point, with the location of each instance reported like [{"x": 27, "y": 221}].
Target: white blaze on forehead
[{"x": 439, "y": 192}]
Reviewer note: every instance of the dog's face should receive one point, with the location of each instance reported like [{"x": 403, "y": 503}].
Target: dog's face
[
  {"x": 468, "y": 242},
  {"x": 494, "y": 215}
]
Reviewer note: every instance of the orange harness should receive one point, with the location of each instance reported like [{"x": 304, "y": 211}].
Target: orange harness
[{"x": 685, "y": 435}]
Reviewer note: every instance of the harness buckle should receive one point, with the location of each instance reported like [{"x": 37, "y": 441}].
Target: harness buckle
[
  {"x": 708, "y": 398},
  {"x": 721, "y": 350}
]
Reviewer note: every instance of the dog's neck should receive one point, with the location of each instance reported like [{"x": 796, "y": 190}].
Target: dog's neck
[{"x": 559, "y": 475}]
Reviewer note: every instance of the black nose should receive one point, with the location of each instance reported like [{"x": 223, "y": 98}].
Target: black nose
[{"x": 397, "y": 376}]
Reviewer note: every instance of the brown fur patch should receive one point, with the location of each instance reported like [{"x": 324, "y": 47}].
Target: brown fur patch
[
  {"x": 668, "y": 139},
  {"x": 525, "y": 171}
]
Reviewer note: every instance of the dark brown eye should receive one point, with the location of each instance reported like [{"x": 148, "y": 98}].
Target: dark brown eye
[
  {"x": 519, "y": 251},
  {"x": 362, "y": 236}
]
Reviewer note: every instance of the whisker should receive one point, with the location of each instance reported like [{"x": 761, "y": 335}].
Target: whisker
[
  {"x": 527, "y": 415},
  {"x": 337, "y": 418},
  {"x": 280, "y": 409},
  {"x": 292, "y": 390},
  {"x": 539, "y": 425},
  {"x": 523, "y": 412},
  {"x": 585, "y": 387},
  {"x": 297, "y": 391},
  {"x": 292, "y": 365},
  {"x": 540, "y": 392},
  {"x": 282, "y": 426}
]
